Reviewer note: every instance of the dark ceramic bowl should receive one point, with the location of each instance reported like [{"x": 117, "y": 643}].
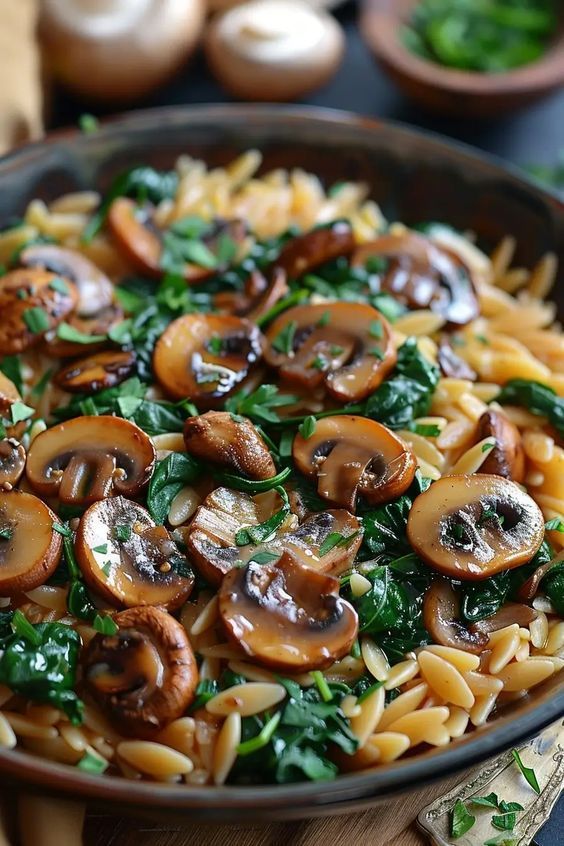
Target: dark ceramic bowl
[{"x": 414, "y": 177}]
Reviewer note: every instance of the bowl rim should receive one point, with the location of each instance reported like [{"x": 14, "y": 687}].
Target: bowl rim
[
  {"x": 348, "y": 791},
  {"x": 380, "y": 21}
]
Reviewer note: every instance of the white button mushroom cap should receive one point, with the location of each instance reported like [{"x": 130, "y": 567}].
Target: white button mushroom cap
[{"x": 274, "y": 49}]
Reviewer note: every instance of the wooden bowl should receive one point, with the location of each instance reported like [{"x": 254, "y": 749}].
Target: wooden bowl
[{"x": 447, "y": 90}]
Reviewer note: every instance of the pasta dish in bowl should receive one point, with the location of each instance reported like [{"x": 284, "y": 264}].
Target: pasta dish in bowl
[{"x": 281, "y": 493}]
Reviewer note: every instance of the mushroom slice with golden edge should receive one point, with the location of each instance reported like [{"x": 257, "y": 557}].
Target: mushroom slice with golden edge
[
  {"x": 98, "y": 325},
  {"x": 471, "y": 527},
  {"x": 441, "y": 617},
  {"x": 507, "y": 458},
  {"x": 421, "y": 274},
  {"x": 95, "y": 372},
  {"x": 306, "y": 252},
  {"x": 32, "y": 302},
  {"x": 211, "y": 538},
  {"x": 205, "y": 357},
  {"x": 95, "y": 291},
  {"x": 90, "y": 458},
  {"x": 30, "y": 548},
  {"x": 12, "y": 462},
  {"x": 287, "y": 616},
  {"x": 142, "y": 242},
  {"x": 347, "y": 347},
  {"x": 9, "y": 395},
  {"x": 145, "y": 675},
  {"x": 129, "y": 560},
  {"x": 230, "y": 441},
  {"x": 354, "y": 455}
]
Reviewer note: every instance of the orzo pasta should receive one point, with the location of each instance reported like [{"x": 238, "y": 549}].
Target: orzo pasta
[{"x": 281, "y": 483}]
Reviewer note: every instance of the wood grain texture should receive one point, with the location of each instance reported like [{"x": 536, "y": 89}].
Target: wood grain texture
[{"x": 390, "y": 824}]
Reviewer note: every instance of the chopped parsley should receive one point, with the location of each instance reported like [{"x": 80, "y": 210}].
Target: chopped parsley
[{"x": 36, "y": 319}]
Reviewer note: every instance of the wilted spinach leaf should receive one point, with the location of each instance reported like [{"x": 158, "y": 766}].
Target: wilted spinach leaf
[
  {"x": 168, "y": 479},
  {"x": 537, "y": 398},
  {"x": 40, "y": 663}
]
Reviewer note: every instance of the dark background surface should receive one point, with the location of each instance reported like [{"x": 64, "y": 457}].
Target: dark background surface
[{"x": 532, "y": 136}]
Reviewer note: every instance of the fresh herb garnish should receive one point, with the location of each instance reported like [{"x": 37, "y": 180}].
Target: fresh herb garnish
[
  {"x": 36, "y": 319},
  {"x": 259, "y": 405},
  {"x": 169, "y": 477},
  {"x": 284, "y": 341},
  {"x": 20, "y": 411},
  {"x": 537, "y": 398},
  {"x": 66, "y": 332},
  {"x": 307, "y": 428},
  {"x": 461, "y": 820},
  {"x": 527, "y": 772}
]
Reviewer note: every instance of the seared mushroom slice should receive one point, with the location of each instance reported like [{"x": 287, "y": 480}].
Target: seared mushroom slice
[
  {"x": 12, "y": 462},
  {"x": 287, "y": 616},
  {"x": 145, "y": 675},
  {"x": 453, "y": 365},
  {"x": 441, "y": 617},
  {"x": 347, "y": 347},
  {"x": 212, "y": 545},
  {"x": 230, "y": 441},
  {"x": 95, "y": 372},
  {"x": 90, "y": 458},
  {"x": 95, "y": 291},
  {"x": 354, "y": 455},
  {"x": 30, "y": 548},
  {"x": 100, "y": 324},
  {"x": 204, "y": 356},
  {"x": 471, "y": 527},
  {"x": 423, "y": 275},
  {"x": 129, "y": 560},
  {"x": 257, "y": 297},
  {"x": 9, "y": 394},
  {"x": 507, "y": 458},
  {"x": 31, "y": 303},
  {"x": 142, "y": 242},
  {"x": 306, "y": 252}
]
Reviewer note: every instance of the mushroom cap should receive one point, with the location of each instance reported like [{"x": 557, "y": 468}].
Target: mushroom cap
[
  {"x": 422, "y": 274},
  {"x": 205, "y": 357},
  {"x": 352, "y": 455},
  {"x": 90, "y": 458},
  {"x": 231, "y": 442},
  {"x": 95, "y": 291},
  {"x": 287, "y": 616},
  {"x": 471, "y": 527},
  {"x": 145, "y": 675},
  {"x": 441, "y": 616},
  {"x": 98, "y": 324},
  {"x": 132, "y": 572},
  {"x": 96, "y": 372},
  {"x": 24, "y": 290},
  {"x": 507, "y": 458},
  {"x": 12, "y": 462},
  {"x": 211, "y": 536},
  {"x": 31, "y": 554},
  {"x": 273, "y": 50},
  {"x": 304, "y": 253},
  {"x": 348, "y": 347}
]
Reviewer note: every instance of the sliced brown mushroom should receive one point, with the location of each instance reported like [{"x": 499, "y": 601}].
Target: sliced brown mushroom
[
  {"x": 90, "y": 458},
  {"x": 145, "y": 675},
  {"x": 507, "y": 458},
  {"x": 142, "y": 242},
  {"x": 441, "y": 617},
  {"x": 32, "y": 302},
  {"x": 259, "y": 294},
  {"x": 204, "y": 356},
  {"x": 348, "y": 347},
  {"x": 306, "y": 252},
  {"x": 452, "y": 364},
  {"x": 471, "y": 527},
  {"x": 12, "y": 462},
  {"x": 529, "y": 589},
  {"x": 95, "y": 372},
  {"x": 508, "y": 614},
  {"x": 211, "y": 536},
  {"x": 129, "y": 560},
  {"x": 230, "y": 441},
  {"x": 95, "y": 291},
  {"x": 421, "y": 274},
  {"x": 287, "y": 616},
  {"x": 9, "y": 394},
  {"x": 30, "y": 548},
  {"x": 351, "y": 455},
  {"x": 100, "y": 325}
]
